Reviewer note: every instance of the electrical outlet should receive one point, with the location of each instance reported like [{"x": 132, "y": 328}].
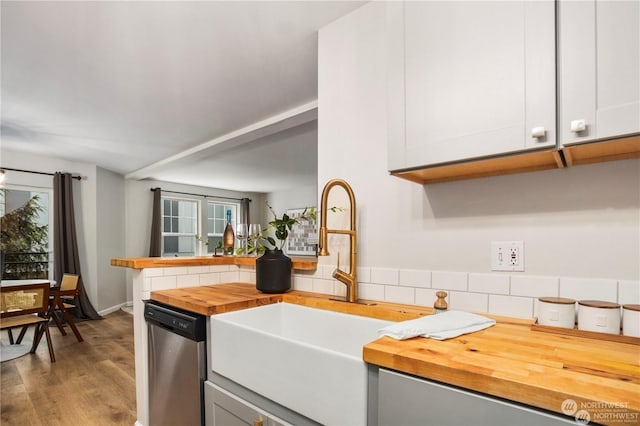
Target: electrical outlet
[{"x": 507, "y": 256}]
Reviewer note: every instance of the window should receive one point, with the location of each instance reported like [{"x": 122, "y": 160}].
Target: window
[
  {"x": 182, "y": 225},
  {"x": 179, "y": 226},
  {"x": 217, "y": 221},
  {"x": 25, "y": 216}
]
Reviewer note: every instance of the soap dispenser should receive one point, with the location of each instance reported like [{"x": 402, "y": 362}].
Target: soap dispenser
[{"x": 440, "y": 304}]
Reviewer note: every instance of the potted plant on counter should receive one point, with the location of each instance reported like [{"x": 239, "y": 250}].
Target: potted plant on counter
[{"x": 273, "y": 268}]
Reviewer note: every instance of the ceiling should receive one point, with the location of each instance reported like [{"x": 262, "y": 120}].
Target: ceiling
[{"x": 218, "y": 94}]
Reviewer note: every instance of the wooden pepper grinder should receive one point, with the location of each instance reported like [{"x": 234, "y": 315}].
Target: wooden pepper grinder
[{"x": 440, "y": 305}]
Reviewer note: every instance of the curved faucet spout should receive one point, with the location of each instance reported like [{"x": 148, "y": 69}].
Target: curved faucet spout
[{"x": 349, "y": 279}]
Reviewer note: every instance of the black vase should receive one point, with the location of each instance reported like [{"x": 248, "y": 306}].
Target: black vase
[{"x": 273, "y": 272}]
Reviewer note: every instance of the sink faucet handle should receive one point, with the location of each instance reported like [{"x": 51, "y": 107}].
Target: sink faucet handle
[{"x": 337, "y": 270}]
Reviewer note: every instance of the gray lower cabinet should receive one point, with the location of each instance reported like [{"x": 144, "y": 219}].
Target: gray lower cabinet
[
  {"x": 226, "y": 403},
  {"x": 227, "y": 409},
  {"x": 406, "y": 400}
]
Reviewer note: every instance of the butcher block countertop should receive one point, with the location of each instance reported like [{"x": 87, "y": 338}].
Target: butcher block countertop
[
  {"x": 215, "y": 299},
  {"x": 304, "y": 263},
  {"x": 219, "y": 298},
  {"x": 509, "y": 360},
  {"x": 512, "y": 361}
]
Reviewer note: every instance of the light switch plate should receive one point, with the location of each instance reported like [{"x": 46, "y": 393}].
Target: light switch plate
[{"x": 507, "y": 256}]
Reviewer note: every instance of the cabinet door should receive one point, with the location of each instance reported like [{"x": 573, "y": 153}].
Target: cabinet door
[
  {"x": 405, "y": 400},
  {"x": 479, "y": 76},
  {"x": 599, "y": 51},
  {"x": 226, "y": 409}
]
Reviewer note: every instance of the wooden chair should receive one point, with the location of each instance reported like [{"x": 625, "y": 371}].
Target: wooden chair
[
  {"x": 60, "y": 301},
  {"x": 23, "y": 306}
]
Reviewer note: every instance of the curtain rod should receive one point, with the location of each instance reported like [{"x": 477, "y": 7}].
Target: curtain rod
[
  {"x": 36, "y": 173},
  {"x": 199, "y": 195}
]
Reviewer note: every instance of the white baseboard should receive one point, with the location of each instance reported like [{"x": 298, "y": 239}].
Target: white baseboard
[{"x": 113, "y": 309}]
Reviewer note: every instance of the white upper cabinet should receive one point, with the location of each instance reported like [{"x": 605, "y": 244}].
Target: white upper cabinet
[
  {"x": 599, "y": 69},
  {"x": 469, "y": 80}
]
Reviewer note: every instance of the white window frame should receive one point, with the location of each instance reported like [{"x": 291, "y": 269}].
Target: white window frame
[
  {"x": 210, "y": 232},
  {"x": 202, "y": 221},
  {"x": 197, "y": 227}
]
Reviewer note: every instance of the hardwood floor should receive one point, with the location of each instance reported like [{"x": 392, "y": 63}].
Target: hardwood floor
[{"x": 91, "y": 383}]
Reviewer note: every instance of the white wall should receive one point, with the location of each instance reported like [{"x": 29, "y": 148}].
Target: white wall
[
  {"x": 295, "y": 198},
  {"x": 579, "y": 222}
]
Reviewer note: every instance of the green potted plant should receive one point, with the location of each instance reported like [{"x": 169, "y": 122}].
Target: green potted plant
[{"x": 273, "y": 268}]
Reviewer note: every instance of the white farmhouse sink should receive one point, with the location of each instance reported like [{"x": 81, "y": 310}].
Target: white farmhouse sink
[{"x": 309, "y": 360}]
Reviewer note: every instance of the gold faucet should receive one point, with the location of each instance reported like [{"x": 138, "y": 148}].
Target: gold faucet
[{"x": 349, "y": 279}]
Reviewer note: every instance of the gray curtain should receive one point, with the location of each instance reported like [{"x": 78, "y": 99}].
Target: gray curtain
[
  {"x": 65, "y": 245},
  {"x": 244, "y": 211},
  {"x": 155, "y": 246}
]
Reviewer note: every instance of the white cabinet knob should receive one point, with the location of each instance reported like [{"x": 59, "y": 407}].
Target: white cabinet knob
[
  {"x": 578, "y": 126},
  {"x": 538, "y": 132}
]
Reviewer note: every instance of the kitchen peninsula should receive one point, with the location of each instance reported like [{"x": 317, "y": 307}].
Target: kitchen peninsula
[
  {"x": 510, "y": 361},
  {"x": 163, "y": 273}
]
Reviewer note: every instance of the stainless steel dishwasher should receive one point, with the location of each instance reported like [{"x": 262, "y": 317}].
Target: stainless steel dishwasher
[{"x": 177, "y": 365}]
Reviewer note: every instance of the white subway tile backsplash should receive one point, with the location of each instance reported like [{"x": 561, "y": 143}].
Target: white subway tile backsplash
[
  {"x": 163, "y": 283},
  {"x": 340, "y": 289},
  {"x": 426, "y": 297},
  {"x": 364, "y": 274},
  {"x": 470, "y": 302},
  {"x": 489, "y": 283},
  {"x": 629, "y": 292},
  {"x": 415, "y": 278},
  {"x": 305, "y": 274},
  {"x": 449, "y": 280},
  {"x": 229, "y": 277},
  {"x": 397, "y": 294},
  {"x": 187, "y": 281},
  {"x": 182, "y": 270},
  {"x": 154, "y": 272},
  {"x": 210, "y": 278},
  {"x": 247, "y": 276},
  {"x": 199, "y": 269},
  {"x": 589, "y": 289},
  {"x": 384, "y": 276},
  {"x": 500, "y": 294},
  {"x": 327, "y": 271},
  {"x": 371, "y": 291},
  {"x": 511, "y": 306},
  {"x": 323, "y": 286},
  {"x": 534, "y": 286},
  {"x": 302, "y": 283}
]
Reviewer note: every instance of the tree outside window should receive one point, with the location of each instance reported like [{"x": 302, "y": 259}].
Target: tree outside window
[{"x": 24, "y": 234}]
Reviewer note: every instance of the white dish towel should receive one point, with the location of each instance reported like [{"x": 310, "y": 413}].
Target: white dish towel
[{"x": 440, "y": 327}]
